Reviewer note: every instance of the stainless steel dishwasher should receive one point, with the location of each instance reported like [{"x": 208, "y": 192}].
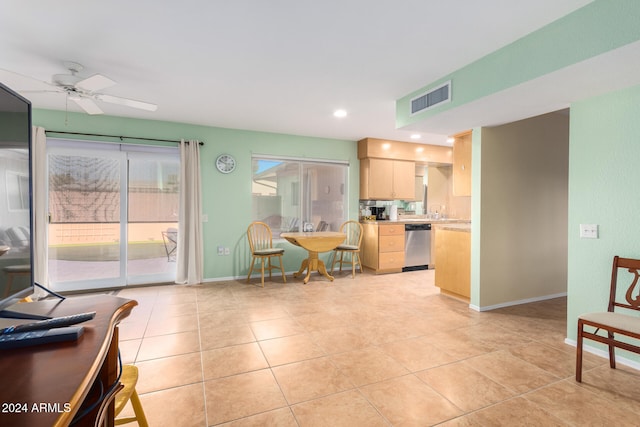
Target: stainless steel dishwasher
[{"x": 417, "y": 247}]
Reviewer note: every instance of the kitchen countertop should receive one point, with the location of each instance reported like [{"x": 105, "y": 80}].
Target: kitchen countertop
[{"x": 422, "y": 221}]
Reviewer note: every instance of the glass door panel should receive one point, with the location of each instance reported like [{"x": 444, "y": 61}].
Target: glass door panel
[
  {"x": 153, "y": 201},
  {"x": 85, "y": 212}
]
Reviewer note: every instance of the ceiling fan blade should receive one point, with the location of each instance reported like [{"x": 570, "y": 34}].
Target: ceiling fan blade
[
  {"x": 127, "y": 102},
  {"x": 87, "y": 105},
  {"x": 17, "y": 80},
  {"x": 94, "y": 83},
  {"x": 42, "y": 91}
]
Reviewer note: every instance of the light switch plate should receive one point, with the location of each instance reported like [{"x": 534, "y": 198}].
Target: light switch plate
[{"x": 588, "y": 231}]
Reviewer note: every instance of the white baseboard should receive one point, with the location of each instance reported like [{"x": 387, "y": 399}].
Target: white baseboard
[
  {"x": 512, "y": 303},
  {"x": 253, "y": 276}
]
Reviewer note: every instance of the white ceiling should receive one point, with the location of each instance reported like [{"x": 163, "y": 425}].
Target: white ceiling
[{"x": 276, "y": 66}]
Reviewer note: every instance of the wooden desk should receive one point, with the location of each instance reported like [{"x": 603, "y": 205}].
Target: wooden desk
[
  {"x": 314, "y": 243},
  {"x": 51, "y": 383}
]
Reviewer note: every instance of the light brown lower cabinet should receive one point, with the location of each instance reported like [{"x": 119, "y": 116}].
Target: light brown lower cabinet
[
  {"x": 453, "y": 252},
  {"x": 383, "y": 247}
]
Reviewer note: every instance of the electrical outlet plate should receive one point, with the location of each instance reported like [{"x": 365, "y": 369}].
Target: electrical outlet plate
[
  {"x": 220, "y": 250},
  {"x": 588, "y": 231},
  {"x": 227, "y": 251}
]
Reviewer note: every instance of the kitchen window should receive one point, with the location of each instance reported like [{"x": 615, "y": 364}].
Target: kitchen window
[{"x": 299, "y": 194}]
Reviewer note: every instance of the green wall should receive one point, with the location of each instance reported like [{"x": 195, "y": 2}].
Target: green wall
[
  {"x": 588, "y": 32},
  {"x": 226, "y": 198},
  {"x": 604, "y": 175}
]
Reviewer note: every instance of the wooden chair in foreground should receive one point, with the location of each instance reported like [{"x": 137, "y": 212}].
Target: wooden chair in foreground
[
  {"x": 261, "y": 246},
  {"x": 124, "y": 392},
  {"x": 610, "y": 322},
  {"x": 351, "y": 245},
  {"x": 129, "y": 379}
]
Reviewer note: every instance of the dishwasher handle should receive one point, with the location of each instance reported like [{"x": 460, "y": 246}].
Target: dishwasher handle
[{"x": 413, "y": 227}]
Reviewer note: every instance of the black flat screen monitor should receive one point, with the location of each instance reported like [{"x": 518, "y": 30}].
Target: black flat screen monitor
[{"x": 16, "y": 236}]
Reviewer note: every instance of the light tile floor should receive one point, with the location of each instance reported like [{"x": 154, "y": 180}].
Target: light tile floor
[{"x": 382, "y": 350}]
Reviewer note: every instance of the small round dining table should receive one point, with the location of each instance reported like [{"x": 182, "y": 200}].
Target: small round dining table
[{"x": 314, "y": 242}]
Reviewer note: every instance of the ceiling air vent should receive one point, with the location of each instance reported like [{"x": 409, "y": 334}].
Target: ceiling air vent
[{"x": 437, "y": 96}]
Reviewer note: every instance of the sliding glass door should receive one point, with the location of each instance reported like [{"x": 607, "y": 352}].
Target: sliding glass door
[{"x": 113, "y": 213}]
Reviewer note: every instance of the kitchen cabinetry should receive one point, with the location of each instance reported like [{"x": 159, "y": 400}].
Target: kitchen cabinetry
[
  {"x": 453, "y": 252},
  {"x": 386, "y": 179},
  {"x": 462, "y": 164},
  {"x": 383, "y": 247},
  {"x": 398, "y": 150}
]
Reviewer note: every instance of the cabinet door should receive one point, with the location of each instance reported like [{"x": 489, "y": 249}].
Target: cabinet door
[
  {"x": 404, "y": 180},
  {"x": 391, "y": 244},
  {"x": 391, "y": 260},
  {"x": 381, "y": 179}
]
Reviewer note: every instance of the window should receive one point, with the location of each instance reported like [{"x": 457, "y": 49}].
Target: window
[{"x": 298, "y": 195}]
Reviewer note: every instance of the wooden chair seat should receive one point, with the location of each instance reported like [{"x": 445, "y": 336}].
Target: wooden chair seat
[
  {"x": 617, "y": 321},
  {"x": 270, "y": 251}
]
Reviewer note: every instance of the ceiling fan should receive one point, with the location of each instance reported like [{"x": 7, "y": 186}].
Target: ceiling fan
[{"x": 85, "y": 91}]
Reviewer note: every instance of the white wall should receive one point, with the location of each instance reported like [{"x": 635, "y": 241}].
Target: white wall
[{"x": 519, "y": 247}]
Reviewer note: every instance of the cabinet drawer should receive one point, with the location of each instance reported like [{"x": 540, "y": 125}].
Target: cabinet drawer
[
  {"x": 391, "y": 243},
  {"x": 389, "y": 260},
  {"x": 391, "y": 230}
]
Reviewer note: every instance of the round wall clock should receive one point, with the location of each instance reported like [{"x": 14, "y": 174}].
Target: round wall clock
[{"x": 226, "y": 163}]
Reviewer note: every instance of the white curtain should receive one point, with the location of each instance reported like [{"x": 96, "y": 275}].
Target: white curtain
[
  {"x": 189, "y": 251},
  {"x": 40, "y": 209}
]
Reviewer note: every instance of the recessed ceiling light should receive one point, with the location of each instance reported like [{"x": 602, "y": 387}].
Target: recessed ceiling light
[
  {"x": 451, "y": 140},
  {"x": 416, "y": 136},
  {"x": 340, "y": 113}
]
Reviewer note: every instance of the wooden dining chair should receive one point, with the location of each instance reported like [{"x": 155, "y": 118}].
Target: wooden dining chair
[
  {"x": 129, "y": 379},
  {"x": 261, "y": 246},
  {"x": 614, "y": 324},
  {"x": 125, "y": 392},
  {"x": 351, "y": 246}
]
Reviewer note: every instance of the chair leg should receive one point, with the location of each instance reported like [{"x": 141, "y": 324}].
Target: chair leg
[
  {"x": 353, "y": 265},
  {"x": 137, "y": 409},
  {"x": 333, "y": 261},
  {"x": 253, "y": 261},
  {"x": 612, "y": 354},
  {"x": 579, "y": 353},
  {"x": 341, "y": 260},
  {"x": 262, "y": 271},
  {"x": 284, "y": 276}
]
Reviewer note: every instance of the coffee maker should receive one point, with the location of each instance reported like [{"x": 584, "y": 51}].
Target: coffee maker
[{"x": 378, "y": 212}]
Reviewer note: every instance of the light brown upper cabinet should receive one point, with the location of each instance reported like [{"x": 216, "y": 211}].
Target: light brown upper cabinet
[
  {"x": 383, "y": 179},
  {"x": 462, "y": 164},
  {"x": 388, "y": 168}
]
